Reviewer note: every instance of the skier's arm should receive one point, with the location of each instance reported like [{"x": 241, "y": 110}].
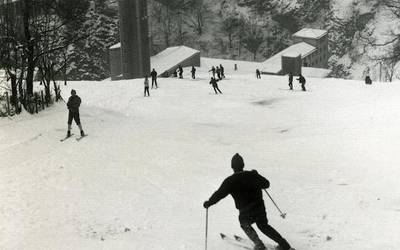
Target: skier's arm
[
  {"x": 260, "y": 181},
  {"x": 218, "y": 195}
]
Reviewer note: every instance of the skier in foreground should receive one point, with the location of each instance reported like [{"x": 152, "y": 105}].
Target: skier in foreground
[
  {"x": 246, "y": 189},
  {"x": 73, "y": 104}
]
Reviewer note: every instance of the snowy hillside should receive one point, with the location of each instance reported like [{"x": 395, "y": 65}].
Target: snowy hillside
[{"x": 139, "y": 179}]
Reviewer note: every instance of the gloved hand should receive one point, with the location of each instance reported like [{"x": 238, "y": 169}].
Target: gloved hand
[{"x": 206, "y": 204}]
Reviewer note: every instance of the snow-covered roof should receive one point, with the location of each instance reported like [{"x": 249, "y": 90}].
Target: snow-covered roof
[
  {"x": 171, "y": 57},
  {"x": 310, "y": 33},
  {"x": 273, "y": 65},
  {"x": 315, "y": 72}
]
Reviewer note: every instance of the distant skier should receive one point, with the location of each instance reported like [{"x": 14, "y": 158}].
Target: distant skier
[
  {"x": 291, "y": 81},
  {"x": 212, "y": 70},
  {"x": 73, "y": 104},
  {"x": 368, "y": 80},
  {"x": 146, "y": 85},
  {"x": 246, "y": 187},
  {"x": 302, "y": 81},
  {"x": 222, "y": 71},
  {"x": 193, "y": 71},
  {"x": 214, "y": 83},
  {"x": 258, "y": 74},
  {"x": 218, "y": 70},
  {"x": 153, "y": 78},
  {"x": 180, "y": 71}
]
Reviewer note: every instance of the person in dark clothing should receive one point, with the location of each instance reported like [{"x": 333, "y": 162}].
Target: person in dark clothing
[
  {"x": 73, "y": 104},
  {"x": 218, "y": 70},
  {"x": 146, "y": 85},
  {"x": 154, "y": 78},
  {"x": 258, "y": 74},
  {"x": 180, "y": 71},
  {"x": 212, "y": 70},
  {"x": 368, "y": 80},
  {"x": 222, "y": 71},
  {"x": 291, "y": 81},
  {"x": 193, "y": 72},
  {"x": 302, "y": 81},
  {"x": 246, "y": 187},
  {"x": 214, "y": 83}
]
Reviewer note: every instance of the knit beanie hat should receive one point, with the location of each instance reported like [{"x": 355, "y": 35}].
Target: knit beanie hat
[{"x": 237, "y": 162}]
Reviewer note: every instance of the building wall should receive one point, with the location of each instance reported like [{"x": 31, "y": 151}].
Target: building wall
[
  {"x": 135, "y": 49},
  {"x": 318, "y": 59},
  {"x": 115, "y": 64},
  {"x": 291, "y": 65}
]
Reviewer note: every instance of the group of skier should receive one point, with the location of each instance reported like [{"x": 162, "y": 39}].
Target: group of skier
[
  {"x": 301, "y": 80},
  {"x": 219, "y": 71}
]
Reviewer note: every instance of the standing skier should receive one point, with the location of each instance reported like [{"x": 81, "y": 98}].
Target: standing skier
[
  {"x": 218, "y": 70},
  {"x": 73, "y": 104},
  {"x": 291, "y": 81},
  {"x": 193, "y": 72},
  {"x": 146, "y": 85},
  {"x": 214, "y": 83},
  {"x": 212, "y": 70},
  {"x": 246, "y": 189},
  {"x": 302, "y": 81},
  {"x": 180, "y": 70},
  {"x": 222, "y": 71},
  {"x": 258, "y": 74},
  {"x": 154, "y": 78}
]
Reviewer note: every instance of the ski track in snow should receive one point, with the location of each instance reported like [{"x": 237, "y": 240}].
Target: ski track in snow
[{"x": 139, "y": 180}]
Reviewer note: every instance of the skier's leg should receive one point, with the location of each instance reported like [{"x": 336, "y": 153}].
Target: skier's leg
[
  {"x": 215, "y": 90},
  {"x": 219, "y": 90},
  {"x": 269, "y": 231},
  {"x": 245, "y": 224},
  {"x": 78, "y": 122},
  {"x": 70, "y": 117}
]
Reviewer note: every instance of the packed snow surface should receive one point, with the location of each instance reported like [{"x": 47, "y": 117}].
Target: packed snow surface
[{"x": 139, "y": 179}]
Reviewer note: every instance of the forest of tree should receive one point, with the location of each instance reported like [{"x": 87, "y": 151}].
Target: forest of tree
[{"x": 69, "y": 39}]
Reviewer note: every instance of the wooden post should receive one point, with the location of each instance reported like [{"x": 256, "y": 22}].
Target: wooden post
[
  {"x": 42, "y": 98},
  {"x": 36, "y": 103},
  {"x": 8, "y": 104}
]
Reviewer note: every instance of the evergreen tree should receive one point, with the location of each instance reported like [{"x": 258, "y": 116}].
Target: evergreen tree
[{"x": 90, "y": 56}]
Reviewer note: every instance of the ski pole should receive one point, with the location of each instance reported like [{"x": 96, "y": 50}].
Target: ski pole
[
  {"x": 206, "y": 226},
  {"x": 283, "y": 215}
]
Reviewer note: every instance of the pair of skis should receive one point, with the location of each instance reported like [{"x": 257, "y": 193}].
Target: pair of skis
[
  {"x": 77, "y": 139},
  {"x": 242, "y": 242}
]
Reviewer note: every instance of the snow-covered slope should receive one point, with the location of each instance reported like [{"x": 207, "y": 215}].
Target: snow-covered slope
[{"x": 139, "y": 179}]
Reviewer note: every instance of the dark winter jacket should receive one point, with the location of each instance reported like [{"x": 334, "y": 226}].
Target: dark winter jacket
[
  {"x": 73, "y": 103},
  {"x": 301, "y": 80},
  {"x": 290, "y": 78},
  {"x": 214, "y": 82},
  {"x": 153, "y": 74},
  {"x": 245, "y": 188}
]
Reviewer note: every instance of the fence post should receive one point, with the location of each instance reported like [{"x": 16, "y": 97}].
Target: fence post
[{"x": 8, "y": 104}]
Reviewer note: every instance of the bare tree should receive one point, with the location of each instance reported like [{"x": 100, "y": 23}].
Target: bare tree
[{"x": 253, "y": 39}]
